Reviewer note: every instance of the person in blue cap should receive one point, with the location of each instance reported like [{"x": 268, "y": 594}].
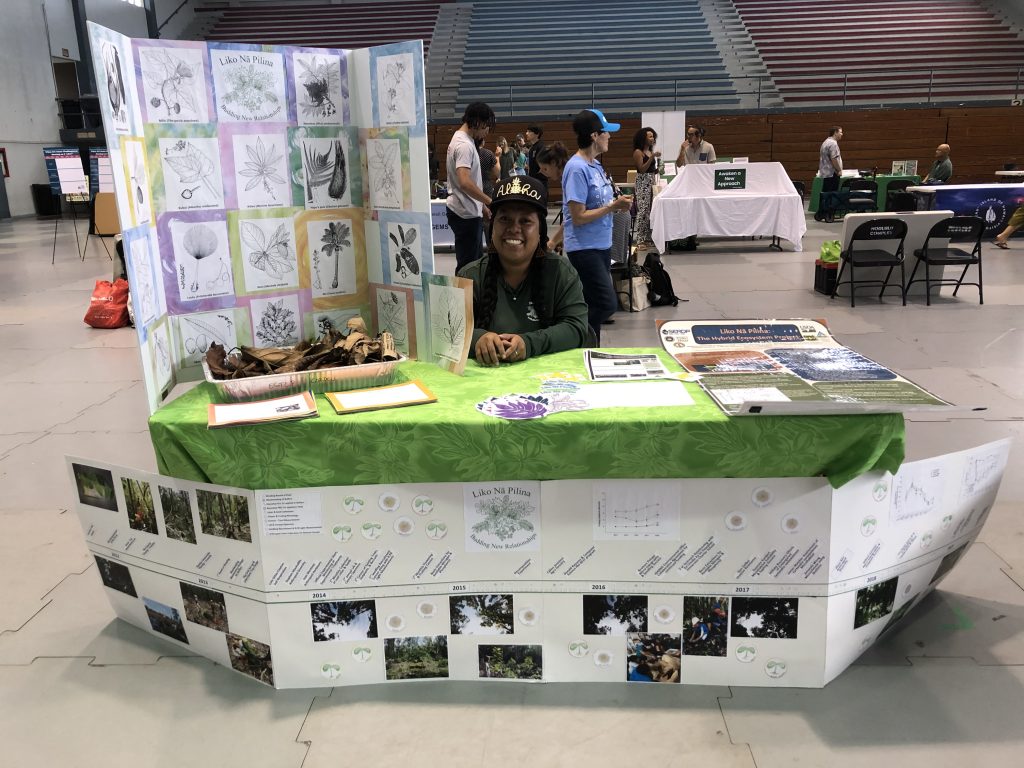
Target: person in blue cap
[{"x": 588, "y": 202}]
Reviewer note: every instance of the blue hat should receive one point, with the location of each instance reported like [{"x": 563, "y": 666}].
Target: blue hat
[{"x": 605, "y": 125}]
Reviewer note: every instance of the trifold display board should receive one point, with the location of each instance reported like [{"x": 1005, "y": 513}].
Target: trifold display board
[
  {"x": 772, "y": 367},
  {"x": 261, "y": 189},
  {"x": 780, "y": 582}
]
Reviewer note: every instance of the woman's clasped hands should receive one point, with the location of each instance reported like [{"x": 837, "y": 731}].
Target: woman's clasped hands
[{"x": 495, "y": 348}]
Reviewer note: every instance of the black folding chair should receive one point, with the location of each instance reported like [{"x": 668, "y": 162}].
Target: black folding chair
[
  {"x": 956, "y": 229},
  {"x": 897, "y": 198},
  {"x": 873, "y": 232},
  {"x": 863, "y": 197}
]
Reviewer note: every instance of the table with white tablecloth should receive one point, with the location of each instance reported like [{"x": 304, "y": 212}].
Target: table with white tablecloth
[{"x": 767, "y": 204}]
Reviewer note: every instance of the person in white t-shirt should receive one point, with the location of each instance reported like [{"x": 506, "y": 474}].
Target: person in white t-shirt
[{"x": 467, "y": 203}]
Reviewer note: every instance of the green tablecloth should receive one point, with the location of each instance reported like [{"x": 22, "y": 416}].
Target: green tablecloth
[
  {"x": 450, "y": 440},
  {"x": 883, "y": 180}
]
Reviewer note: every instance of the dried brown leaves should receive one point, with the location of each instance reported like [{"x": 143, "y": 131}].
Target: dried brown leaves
[{"x": 331, "y": 350}]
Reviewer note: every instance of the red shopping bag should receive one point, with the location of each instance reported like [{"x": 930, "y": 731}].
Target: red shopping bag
[{"x": 108, "y": 307}]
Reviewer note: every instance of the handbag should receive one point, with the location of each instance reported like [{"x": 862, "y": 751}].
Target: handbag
[{"x": 108, "y": 306}]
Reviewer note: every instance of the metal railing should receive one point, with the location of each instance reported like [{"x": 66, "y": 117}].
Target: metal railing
[{"x": 925, "y": 86}]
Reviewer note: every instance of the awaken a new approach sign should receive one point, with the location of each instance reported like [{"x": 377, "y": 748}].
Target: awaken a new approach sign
[{"x": 730, "y": 178}]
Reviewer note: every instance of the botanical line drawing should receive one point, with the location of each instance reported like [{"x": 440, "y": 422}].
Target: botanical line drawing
[
  {"x": 277, "y": 324},
  {"x": 250, "y": 87},
  {"x": 385, "y": 174},
  {"x": 405, "y": 261},
  {"x": 396, "y": 89},
  {"x": 261, "y": 167},
  {"x": 269, "y": 255},
  {"x": 448, "y": 322},
  {"x": 199, "y": 242},
  {"x": 320, "y": 79},
  {"x": 335, "y": 237},
  {"x": 115, "y": 83},
  {"x": 391, "y": 316},
  {"x": 163, "y": 354},
  {"x": 193, "y": 166},
  {"x": 199, "y": 334},
  {"x": 504, "y": 517},
  {"x": 324, "y": 170},
  {"x": 173, "y": 78}
]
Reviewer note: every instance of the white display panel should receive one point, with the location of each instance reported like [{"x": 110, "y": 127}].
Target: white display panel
[{"x": 776, "y": 582}]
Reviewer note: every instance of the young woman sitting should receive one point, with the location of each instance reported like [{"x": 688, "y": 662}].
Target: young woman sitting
[{"x": 526, "y": 300}]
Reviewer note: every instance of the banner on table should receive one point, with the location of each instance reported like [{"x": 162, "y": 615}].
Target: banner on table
[
  {"x": 772, "y": 581},
  {"x": 770, "y": 367}
]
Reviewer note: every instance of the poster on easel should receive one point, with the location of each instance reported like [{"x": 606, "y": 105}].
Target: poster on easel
[
  {"x": 770, "y": 367},
  {"x": 65, "y": 172},
  {"x": 262, "y": 189}
]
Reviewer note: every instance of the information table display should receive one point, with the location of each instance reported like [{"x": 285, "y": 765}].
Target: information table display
[
  {"x": 796, "y": 367},
  {"x": 759, "y": 581},
  {"x": 993, "y": 203},
  {"x": 729, "y": 200},
  {"x": 452, "y": 440},
  {"x": 883, "y": 181}
]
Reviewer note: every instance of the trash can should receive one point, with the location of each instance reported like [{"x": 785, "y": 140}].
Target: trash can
[{"x": 45, "y": 202}]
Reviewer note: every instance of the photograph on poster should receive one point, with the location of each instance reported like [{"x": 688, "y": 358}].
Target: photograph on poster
[
  {"x": 511, "y": 662},
  {"x": 332, "y": 258},
  {"x": 177, "y": 509},
  {"x": 344, "y": 620},
  {"x": 248, "y": 85},
  {"x": 250, "y": 657},
  {"x": 268, "y": 253},
  {"x": 115, "y": 576},
  {"x": 165, "y": 620},
  {"x": 947, "y": 563},
  {"x": 874, "y": 602},
  {"x": 202, "y": 259},
  {"x": 261, "y": 170},
  {"x": 95, "y": 486},
  {"x": 384, "y": 167},
  {"x": 276, "y": 321},
  {"x": 138, "y": 181},
  {"x": 393, "y": 309},
  {"x": 899, "y": 613},
  {"x": 204, "y": 606},
  {"x": 197, "y": 332},
  {"x": 324, "y": 171},
  {"x": 614, "y": 614},
  {"x": 481, "y": 614},
  {"x": 652, "y": 658},
  {"x": 114, "y": 92},
  {"x": 830, "y": 364},
  {"x": 192, "y": 173},
  {"x": 415, "y": 658},
  {"x": 768, "y": 617},
  {"x": 174, "y": 84},
  {"x": 395, "y": 84},
  {"x": 138, "y": 498},
  {"x": 705, "y": 626},
  {"x": 224, "y": 514},
  {"x": 320, "y": 88}
]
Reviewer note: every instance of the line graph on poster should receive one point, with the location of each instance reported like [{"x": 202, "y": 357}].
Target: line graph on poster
[
  {"x": 917, "y": 490},
  {"x": 631, "y": 511}
]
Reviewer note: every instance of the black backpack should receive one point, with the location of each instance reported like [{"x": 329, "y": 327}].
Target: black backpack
[{"x": 659, "y": 286}]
